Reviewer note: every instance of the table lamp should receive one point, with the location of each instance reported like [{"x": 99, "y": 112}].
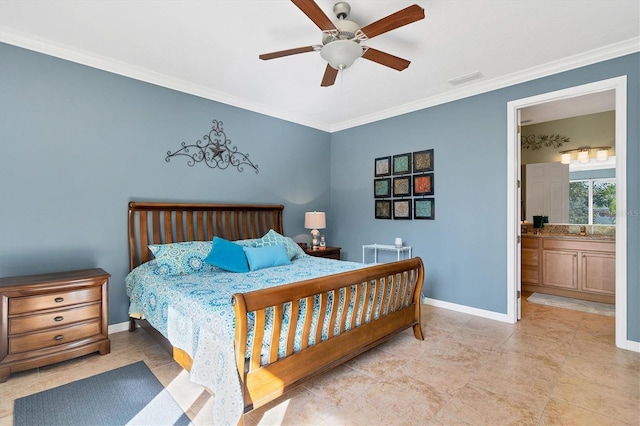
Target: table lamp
[{"x": 315, "y": 221}]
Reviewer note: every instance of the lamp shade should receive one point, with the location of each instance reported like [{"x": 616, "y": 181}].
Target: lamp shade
[
  {"x": 341, "y": 53},
  {"x": 315, "y": 220},
  {"x": 566, "y": 158},
  {"x": 603, "y": 154},
  {"x": 583, "y": 155}
]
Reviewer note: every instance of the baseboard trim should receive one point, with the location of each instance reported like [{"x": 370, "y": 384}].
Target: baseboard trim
[
  {"x": 467, "y": 310},
  {"x": 632, "y": 346},
  {"x": 116, "y": 328}
]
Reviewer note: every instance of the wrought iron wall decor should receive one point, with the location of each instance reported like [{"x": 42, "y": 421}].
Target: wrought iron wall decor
[
  {"x": 535, "y": 142},
  {"x": 215, "y": 151}
]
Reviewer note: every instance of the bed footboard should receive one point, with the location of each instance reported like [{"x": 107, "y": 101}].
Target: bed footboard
[{"x": 288, "y": 334}]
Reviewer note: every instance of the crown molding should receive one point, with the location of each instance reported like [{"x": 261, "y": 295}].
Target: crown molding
[
  {"x": 571, "y": 62},
  {"x": 110, "y": 65},
  {"x": 142, "y": 74}
]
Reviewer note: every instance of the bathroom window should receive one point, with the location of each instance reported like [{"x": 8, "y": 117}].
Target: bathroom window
[{"x": 592, "y": 201}]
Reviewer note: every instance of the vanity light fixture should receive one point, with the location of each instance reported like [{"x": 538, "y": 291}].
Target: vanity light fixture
[
  {"x": 602, "y": 154},
  {"x": 583, "y": 154}
]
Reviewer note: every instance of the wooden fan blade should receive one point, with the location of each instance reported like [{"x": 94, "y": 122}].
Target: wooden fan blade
[
  {"x": 313, "y": 11},
  {"x": 329, "y": 77},
  {"x": 395, "y": 20},
  {"x": 281, "y": 53},
  {"x": 386, "y": 59}
]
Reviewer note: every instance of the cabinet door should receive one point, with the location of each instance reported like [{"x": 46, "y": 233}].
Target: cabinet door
[
  {"x": 598, "y": 272},
  {"x": 530, "y": 272},
  {"x": 560, "y": 268}
]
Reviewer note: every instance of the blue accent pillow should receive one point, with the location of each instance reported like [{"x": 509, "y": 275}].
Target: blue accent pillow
[
  {"x": 181, "y": 258},
  {"x": 272, "y": 238},
  {"x": 266, "y": 257},
  {"x": 227, "y": 255}
]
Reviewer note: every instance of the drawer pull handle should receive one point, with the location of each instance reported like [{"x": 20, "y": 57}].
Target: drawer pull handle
[
  {"x": 58, "y": 337},
  {"x": 58, "y": 319},
  {"x": 59, "y": 299}
]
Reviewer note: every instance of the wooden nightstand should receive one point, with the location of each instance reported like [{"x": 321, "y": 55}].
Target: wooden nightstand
[
  {"x": 54, "y": 317},
  {"x": 328, "y": 252}
]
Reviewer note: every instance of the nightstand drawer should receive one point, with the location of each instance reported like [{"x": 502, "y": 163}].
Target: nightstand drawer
[
  {"x": 59, "y": 336},
  {"x": 20, "y": 305},
  {"x": 327, "y": 252},
  {"x": 53, "y": 319}
]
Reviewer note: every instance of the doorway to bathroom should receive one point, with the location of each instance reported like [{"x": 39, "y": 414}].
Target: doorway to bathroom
[{"x": 515, "y": 111}]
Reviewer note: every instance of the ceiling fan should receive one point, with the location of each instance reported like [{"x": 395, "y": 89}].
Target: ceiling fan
[{"x": 341, "y": 39}]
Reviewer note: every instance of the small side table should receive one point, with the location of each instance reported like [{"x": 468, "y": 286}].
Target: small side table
[
  {"x": 328, "y": 252},
  {"x": 403, "y": 252}
]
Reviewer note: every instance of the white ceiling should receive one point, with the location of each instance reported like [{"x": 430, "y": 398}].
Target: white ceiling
[
  {"x": 211, "y": 48},
  {"x": 571, "y": 107}
]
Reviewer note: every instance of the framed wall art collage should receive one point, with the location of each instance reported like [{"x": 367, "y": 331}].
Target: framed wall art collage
[{"x": 403, "y": 186}]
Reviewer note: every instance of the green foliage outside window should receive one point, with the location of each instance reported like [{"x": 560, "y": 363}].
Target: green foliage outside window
[
  {"x": 579, "y": 202},
  {"x": 603, "y": 201}
]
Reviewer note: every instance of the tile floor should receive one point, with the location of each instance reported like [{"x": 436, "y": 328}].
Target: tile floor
[{"x": 556, "y": 367}]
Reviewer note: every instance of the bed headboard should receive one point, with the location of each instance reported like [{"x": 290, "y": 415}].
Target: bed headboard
[{"x": 162, "y": 223}]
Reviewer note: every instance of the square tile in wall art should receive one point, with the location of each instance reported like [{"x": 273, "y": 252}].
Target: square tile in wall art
[
  {"x": 402, "y": 209},
  {"x": 383, "y": 209},
  {"x": 402, "y": 164},
  {"x": 402, "y": 186},
  {"x": 423, "y": 161},
  {"x": 424, "y": 208},
  {"x": 423, "y": 184},
  {"x": 382, "y": 188},
  {"x": 382, "y": 166}
]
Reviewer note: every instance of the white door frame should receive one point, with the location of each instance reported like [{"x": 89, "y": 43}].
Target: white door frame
[{"x": 619, "y": 85}]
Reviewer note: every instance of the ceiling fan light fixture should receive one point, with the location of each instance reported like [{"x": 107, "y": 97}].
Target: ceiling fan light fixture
[
  {"x": 341, "y": 54},
  {"x": 341, "y": 38}
]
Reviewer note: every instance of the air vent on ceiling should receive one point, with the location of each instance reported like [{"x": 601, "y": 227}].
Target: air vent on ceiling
[{"x": 465, "y": 78}]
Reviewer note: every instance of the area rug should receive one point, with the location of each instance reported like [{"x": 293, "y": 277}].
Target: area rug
[
  {"x": 573, "y": 304},
  {"x": 129, "y": 395}
]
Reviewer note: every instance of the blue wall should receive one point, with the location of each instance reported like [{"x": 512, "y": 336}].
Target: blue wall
[
  {"x": 77, "y": 144},
  {"x": 464, "y": 249}
]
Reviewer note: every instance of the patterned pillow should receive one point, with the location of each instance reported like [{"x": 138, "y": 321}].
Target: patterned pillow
[
  {"x": 272, "y": 238},
  {"x": 247, "y": 243},
  {"x": 181, "y": 258}
]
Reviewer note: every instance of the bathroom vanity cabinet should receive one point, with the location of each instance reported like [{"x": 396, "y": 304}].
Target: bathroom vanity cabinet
[
  {"x": 569, "y": 266},
  {"x": 530, "y": 259}
]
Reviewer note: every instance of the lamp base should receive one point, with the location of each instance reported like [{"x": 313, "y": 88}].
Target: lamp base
[{"x": 315, "y": 242}]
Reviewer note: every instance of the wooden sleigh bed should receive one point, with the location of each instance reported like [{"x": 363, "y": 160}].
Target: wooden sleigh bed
[{"x": 385, "y": 300}]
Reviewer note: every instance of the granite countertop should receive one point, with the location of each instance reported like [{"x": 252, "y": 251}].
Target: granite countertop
[
  {"x": 571, "y": 231},
  {"x": 588, "y": 237}
]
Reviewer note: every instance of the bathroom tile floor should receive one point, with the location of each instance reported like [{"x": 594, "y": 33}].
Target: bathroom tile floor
[{"x": 555, "y": 367}]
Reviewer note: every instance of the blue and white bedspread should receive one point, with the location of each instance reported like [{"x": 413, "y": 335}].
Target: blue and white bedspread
[{"x": 194, "y": 312}]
